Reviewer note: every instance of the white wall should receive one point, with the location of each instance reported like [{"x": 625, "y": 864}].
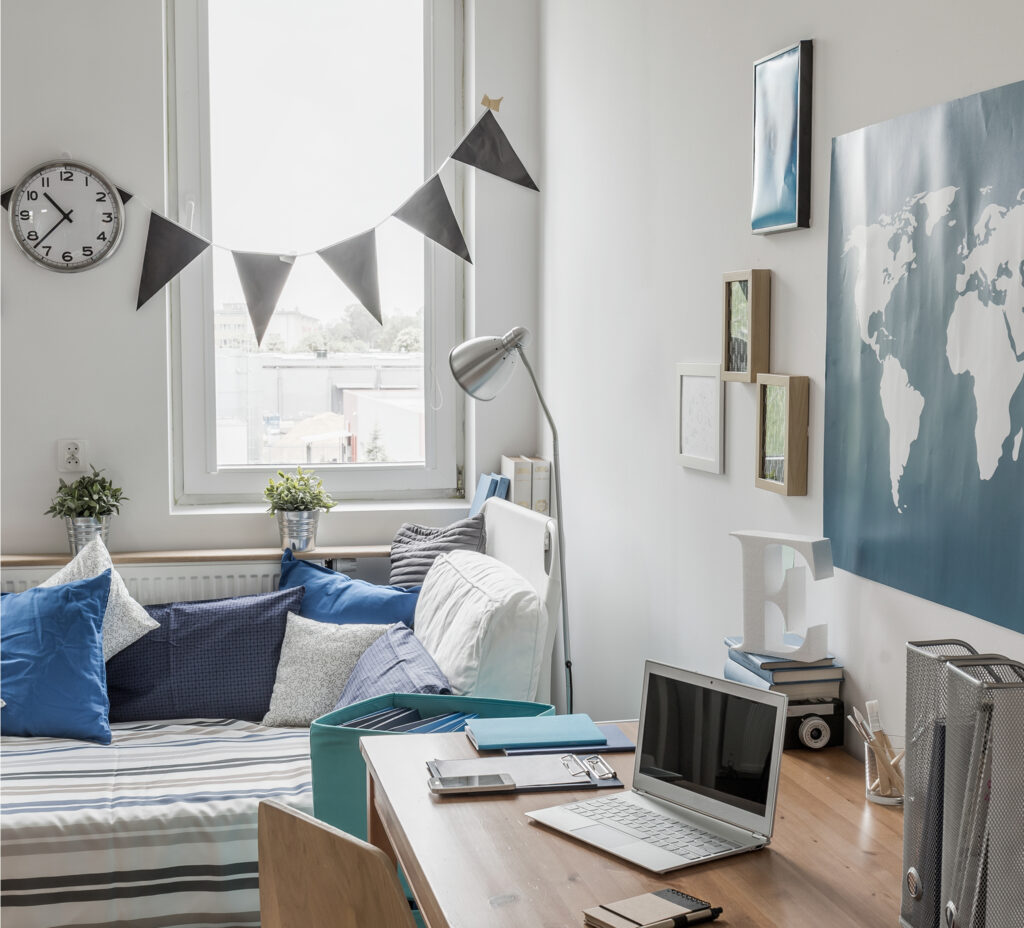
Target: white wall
[
  {"x": 647, "y": 141},
  {"x": 79, "y": 362}
]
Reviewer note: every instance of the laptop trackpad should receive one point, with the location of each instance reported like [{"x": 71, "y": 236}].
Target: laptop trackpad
[{"x": 602, "y": 836}]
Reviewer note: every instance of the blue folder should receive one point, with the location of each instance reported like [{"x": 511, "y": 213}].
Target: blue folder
[{"x": 576, "y": 730}]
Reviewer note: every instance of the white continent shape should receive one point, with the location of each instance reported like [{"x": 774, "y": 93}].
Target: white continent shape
[
  {"x": 985, "y": 335},
  {"x": 884, "y": 256}
]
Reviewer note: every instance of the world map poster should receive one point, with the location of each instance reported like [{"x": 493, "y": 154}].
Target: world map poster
[{"x": 924, "y": 369}]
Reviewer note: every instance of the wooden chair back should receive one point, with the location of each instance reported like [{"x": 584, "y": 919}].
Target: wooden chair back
[{"x": 313, "y": 875}]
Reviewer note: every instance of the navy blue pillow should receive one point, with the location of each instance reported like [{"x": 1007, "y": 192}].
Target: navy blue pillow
[
  {"x": 51, "y": 670},
  {"x": 337, "y": 598},
  {"x": 395, "y": 663},
  {"x": 215, "y": 659}
]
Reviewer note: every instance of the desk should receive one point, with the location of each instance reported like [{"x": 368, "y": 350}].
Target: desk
[{"x": 834, "y": 860}]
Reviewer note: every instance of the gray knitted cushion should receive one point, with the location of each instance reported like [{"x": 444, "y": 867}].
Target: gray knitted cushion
[
  {"x": 416, "y": 546},
  {"x": 317, "y": 658}
]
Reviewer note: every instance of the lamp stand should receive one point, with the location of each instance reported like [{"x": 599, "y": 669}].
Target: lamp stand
[{"x": 561, "y": 534}]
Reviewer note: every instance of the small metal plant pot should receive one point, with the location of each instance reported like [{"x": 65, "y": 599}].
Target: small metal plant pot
[
  {"x": 83, "y": 530},
  {"x": 298, "y": 529}
]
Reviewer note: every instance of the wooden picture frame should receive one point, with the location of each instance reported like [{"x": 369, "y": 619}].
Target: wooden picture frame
[
  {"x": 746, "y": 324},
  {"x": 781, "y": 188},
  {"x": 700, "y": 417},
  {"x": 782, "y": 417}
]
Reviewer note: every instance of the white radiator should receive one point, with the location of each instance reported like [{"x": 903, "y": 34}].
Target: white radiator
[{"x": 167, "y": 583}]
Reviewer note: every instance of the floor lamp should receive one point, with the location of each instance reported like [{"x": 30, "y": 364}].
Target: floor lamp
[{"x": 482, "y": 367}]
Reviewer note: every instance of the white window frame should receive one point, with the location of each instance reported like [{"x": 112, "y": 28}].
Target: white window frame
[{"x": 196, "y": 477}]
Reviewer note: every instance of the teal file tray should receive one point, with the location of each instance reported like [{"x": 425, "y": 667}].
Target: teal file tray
[{"x": 339, "y": 771}]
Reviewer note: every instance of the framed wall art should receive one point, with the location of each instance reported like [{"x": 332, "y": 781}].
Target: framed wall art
[
  {"x": 782, "y": 140},
  {"x": 700, "y": 417},
  {"x": 746, "y": 324},
  {"x": 782, "y": 406}
]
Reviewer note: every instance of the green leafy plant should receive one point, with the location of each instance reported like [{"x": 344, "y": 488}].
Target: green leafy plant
[
  {"x": 302, "y": 491},
  {"x": 90, "y": 496}
]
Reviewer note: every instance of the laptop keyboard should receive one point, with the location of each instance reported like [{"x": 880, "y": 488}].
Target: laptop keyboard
[{"x": 663, "y": 831}]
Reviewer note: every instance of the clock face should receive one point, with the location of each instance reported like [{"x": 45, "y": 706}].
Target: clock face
[{"x": 66, "y": 216}]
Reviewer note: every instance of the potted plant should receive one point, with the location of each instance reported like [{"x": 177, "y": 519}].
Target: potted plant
[
  {"x": 297, "y": 499},
  {"x": 86, "y": 505}
]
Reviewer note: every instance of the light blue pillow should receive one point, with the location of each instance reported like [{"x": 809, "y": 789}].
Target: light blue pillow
[
  {"x": 337, "y": 598},
  {"x": 52, "y": 677},
  {"x": 395, "y": 663}
]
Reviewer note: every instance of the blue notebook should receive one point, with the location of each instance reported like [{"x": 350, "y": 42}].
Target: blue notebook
[
  {"x": 576, "y": 730},
  {"x": 616, "y": 741}
]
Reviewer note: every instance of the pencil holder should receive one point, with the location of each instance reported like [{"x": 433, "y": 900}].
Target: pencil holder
[
  {"x": 923, "y": 767},
  {"x": 982, "y": 846},
  {"x": 872, "y": 786}
]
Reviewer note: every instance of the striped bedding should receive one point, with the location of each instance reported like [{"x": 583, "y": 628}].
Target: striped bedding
[{"x": 158, "y": 829}]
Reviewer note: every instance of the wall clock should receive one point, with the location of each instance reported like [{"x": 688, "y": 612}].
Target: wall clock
[{"x": 66, "y": 216}]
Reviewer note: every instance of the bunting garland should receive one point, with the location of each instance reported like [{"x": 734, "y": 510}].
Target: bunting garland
[
  {"x": 354, "y": 261},
  {"x": 263, "y": 278},
  {"x": 170, "y": 248},
  {"x": 429, "y": 211}
]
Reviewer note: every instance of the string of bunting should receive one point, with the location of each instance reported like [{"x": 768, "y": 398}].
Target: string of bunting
[{"x": 170, "y": 248}]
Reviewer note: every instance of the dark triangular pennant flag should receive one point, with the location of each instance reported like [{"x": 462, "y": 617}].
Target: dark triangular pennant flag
[
  {"x": 355, "y": 262},
  {"x": 428, "y": 211},
  {"x": 488, "y": 148},
  {"x": 124, "y": 194},
  {"x": 169, "y": 249},
  {"x": 263, "y": 277}
]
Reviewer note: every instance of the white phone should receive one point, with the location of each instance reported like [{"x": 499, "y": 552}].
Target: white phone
[{"x": 482, "y": 783}]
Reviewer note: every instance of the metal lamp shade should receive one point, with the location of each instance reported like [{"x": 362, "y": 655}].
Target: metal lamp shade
[{"x": 483, "y": 366}]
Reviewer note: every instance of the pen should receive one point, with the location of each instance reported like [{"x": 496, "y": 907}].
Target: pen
[{"x": 689, "y": 918}]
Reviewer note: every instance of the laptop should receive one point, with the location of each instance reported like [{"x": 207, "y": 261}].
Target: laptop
[{"x": 705, "y": 776}]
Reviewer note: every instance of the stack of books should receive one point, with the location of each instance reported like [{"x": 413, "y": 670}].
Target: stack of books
[
  {"x": 529, "y": 481},
  {"x": 489, "y": 485},
  {"x": 800, "y": 680}
]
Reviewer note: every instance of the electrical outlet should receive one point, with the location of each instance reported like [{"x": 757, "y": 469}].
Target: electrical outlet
[{"x": 71, "y": 455}]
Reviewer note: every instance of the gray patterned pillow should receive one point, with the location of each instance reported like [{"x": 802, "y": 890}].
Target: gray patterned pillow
[
  {"x": 317, "y": 658},
  {"x": 125, "y": 620},
  {"x": 415, "y": 547}
]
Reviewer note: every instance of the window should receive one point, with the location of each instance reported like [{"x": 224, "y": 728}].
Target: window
[{"x": 294, "y": 126}]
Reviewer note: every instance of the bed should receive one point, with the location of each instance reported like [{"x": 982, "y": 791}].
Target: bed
[{"x": 158, "y": 829}]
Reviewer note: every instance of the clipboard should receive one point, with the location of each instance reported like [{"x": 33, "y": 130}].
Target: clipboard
[{"x": 535, "y": 771}]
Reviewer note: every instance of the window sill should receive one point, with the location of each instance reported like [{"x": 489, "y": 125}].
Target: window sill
[{"x": 416, "y": 508}]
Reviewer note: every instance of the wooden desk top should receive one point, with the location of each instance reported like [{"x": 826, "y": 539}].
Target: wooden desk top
[{"x": 834, "y": 860}]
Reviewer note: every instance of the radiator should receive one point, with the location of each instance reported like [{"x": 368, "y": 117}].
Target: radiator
[{"x": 166, "y": 583}]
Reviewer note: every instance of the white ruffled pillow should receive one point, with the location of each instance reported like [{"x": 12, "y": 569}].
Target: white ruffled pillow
[
  {"x": 125, "y": 620},
  {"x": 484, "y": 625}
]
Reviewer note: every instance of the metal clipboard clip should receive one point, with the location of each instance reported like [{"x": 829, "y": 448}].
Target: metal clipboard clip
[{"x": 585, "y": 766}]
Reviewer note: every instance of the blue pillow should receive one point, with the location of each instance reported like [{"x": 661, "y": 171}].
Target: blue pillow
[
  {"x": 51, "y": 661},
  {"x": 334, "y": 597},
  {"x": 395, "y": 663},
  {"x": 213, "y": 659}
]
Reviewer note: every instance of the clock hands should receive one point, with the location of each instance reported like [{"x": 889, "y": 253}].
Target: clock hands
[{"x": 66, "y": 215}]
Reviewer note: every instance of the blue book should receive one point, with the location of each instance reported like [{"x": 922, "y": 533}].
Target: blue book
[
  {"x": 501, "y": 490},
  {"x": 485, "y": 488},
  {"x": 616, "y": 741},
  {"x": 812, "y": 689},
  {"x": 457, "y": 723},
  {"x": 540, "y": 731},
  {"x": 803, "y": 674},
  {"x": 771, "y": 662}
]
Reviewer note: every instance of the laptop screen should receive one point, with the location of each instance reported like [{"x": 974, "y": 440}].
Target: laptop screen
[{"x": 709, "y": 740}]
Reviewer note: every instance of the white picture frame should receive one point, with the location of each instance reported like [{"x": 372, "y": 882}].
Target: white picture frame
[{"x": 700, "y": 416}]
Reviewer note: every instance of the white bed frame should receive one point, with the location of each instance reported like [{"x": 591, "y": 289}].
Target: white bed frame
[{"x": 525, "y": 540}]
